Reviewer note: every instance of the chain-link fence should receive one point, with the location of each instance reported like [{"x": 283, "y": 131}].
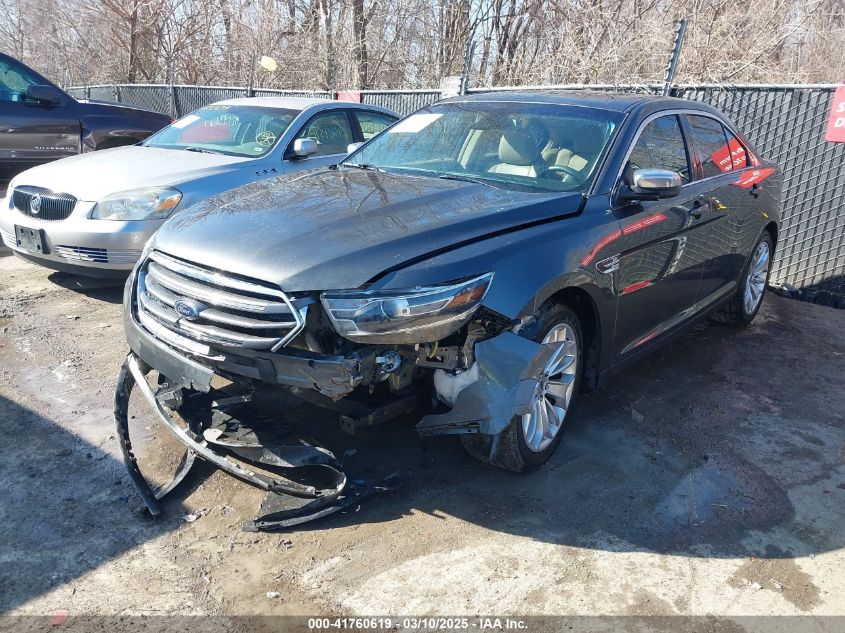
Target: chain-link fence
[{"x": 785, "y": 123}]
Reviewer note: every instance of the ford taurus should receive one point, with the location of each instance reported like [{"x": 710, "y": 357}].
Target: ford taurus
[{"x": 489, "y": 256}]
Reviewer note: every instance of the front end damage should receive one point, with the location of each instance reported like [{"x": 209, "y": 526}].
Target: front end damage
[{"x": 218, "y": 355}]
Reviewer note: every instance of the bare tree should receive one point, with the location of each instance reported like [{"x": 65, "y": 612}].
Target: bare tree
[{"x": 330, "y": 44}]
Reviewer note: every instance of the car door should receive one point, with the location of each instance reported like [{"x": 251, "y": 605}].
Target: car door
[
  {"x": 659, "y": 266},
  {"x": 728, "y": 224},
  {"x": 332, "y": 131},
  {"x": 33, "y": 132}
]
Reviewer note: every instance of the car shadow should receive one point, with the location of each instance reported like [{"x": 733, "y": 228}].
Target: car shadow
[
  {"x": 691, "y": 452},
  {"x": 68, "y": 507},
  {"x": 109, "y": 290},
  {"x": 695, "y": 451}
]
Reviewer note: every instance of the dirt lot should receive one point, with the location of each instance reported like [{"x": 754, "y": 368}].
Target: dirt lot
[{"x": 706, "y": 480}]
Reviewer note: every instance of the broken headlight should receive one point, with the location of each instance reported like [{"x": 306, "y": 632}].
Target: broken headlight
[{"x": 416, "y": 315}]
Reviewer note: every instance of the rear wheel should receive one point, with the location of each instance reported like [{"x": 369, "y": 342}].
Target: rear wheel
[
  {"x": 745, "y": 304},
  {"x": 531, "y": 439}
]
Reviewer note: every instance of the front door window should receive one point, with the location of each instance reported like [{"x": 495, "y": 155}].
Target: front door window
[{"x": 14, "y": 81}]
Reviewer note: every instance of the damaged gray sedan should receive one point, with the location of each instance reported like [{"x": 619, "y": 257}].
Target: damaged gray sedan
[{"x": 478, "y": 264}]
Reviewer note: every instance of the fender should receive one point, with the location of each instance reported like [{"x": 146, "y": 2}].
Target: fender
[{"x": 530, "y": 266}]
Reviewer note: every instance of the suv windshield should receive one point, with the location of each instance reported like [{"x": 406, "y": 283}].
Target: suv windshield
[
  {"x": 235, "y": 130},
  {"x": 511, "y": 145}
]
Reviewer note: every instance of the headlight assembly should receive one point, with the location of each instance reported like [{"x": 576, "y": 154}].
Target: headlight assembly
[
  {"x": 152, "y": 203},
  {"x": 417, "y": 315}
]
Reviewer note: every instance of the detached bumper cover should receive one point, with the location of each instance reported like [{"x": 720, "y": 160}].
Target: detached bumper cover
[{"x": 288, "y": 502}]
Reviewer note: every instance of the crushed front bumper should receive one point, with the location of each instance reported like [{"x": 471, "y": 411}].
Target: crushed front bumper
[
  {"x": 332, "y": 376},
  {"x": 288, "y": 502}
]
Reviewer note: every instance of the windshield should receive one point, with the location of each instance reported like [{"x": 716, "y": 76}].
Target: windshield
[
  {"x": 511, "y": 145},
  {"x": 235, "y": 130}
]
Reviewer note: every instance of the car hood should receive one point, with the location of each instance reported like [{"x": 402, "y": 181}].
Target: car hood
[
  {"x": 340, "y": 228},
  {"x": 97, "y": 174}
]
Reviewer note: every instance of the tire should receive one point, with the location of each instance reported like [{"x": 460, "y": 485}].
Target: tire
[
  {"x": 737, "y": 311},
  {"x": 513, "y": 452}
]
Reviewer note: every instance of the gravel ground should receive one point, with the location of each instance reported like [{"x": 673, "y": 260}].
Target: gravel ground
[{"x": 707, "y": 480}]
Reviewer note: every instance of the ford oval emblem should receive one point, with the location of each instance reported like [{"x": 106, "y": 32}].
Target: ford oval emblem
[
  {"x": 35, "y": 204},
  {"x": 188, "y": 309}
]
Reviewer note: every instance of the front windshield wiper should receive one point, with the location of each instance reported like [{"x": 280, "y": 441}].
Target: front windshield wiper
[
  {"x": 366, "y": 166},
  {"x": 202, "y": 150},
  {"x": 461, "y": 177}
]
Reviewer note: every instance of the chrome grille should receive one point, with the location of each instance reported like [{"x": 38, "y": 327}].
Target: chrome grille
[
  {"x": 49, "y": 206},
  {"x": 100, "y": 255},
  {"x": 213, "y": 308}
]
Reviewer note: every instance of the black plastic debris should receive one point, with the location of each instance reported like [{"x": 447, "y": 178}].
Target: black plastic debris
[
  {"x": 303, "y": 481},
  {"x": 278, "y": 512}
]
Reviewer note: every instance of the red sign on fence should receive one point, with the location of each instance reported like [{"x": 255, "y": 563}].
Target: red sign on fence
[
  {"x": 836, "y": 123},
  {"x": 349, "y": 95}
]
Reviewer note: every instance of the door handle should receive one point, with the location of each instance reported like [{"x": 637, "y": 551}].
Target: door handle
[{"x": 697, "y": 209}]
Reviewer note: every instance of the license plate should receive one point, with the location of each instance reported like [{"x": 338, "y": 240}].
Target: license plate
[{"x": 29, "y": 239}]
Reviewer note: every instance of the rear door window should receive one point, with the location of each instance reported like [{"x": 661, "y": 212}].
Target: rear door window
[
  {"x": 738, "y": 153},
  {"x": 661, "y": 146},
  {"x": 371, "y": 123},
  {"x": 711, "y": 144}
]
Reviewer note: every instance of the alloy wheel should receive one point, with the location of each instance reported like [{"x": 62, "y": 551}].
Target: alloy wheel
[
  {"x": 758, "y": 275},
  {"x": 551, "y": 399}
]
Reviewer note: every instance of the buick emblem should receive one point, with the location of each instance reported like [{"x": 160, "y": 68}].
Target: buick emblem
[
  {"x": 188, "y": 309},
  {"x": 35, "y": 204}
]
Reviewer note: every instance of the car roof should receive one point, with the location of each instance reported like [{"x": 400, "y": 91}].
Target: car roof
[
  {"x": 295, "y": 103},
  {"x": 606, "y": 100}
]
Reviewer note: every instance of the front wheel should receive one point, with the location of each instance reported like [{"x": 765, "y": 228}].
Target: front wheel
[
  {"x": 532, "y": 438},
  {"x": 746, "y": 302}
]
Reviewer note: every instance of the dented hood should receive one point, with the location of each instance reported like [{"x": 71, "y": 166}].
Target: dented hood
[{"x": 340, "y": 228}]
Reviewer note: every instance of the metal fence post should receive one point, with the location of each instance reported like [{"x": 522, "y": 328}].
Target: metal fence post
[
  {"x": 672, "y": 66},
  {"x": 469, "y": 49},
  {"x": 172, "y": 91}
]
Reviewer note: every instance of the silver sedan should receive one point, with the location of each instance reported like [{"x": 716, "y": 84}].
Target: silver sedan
[{"x": 92, "y": 214}]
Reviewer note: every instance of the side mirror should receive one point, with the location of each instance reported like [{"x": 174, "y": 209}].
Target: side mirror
[
  {"x": 304, "y": 147},
  {"x": 352, "y": 147},
  {"x": 652, "y": 184},
  {"x": 46, "y": 95}
]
